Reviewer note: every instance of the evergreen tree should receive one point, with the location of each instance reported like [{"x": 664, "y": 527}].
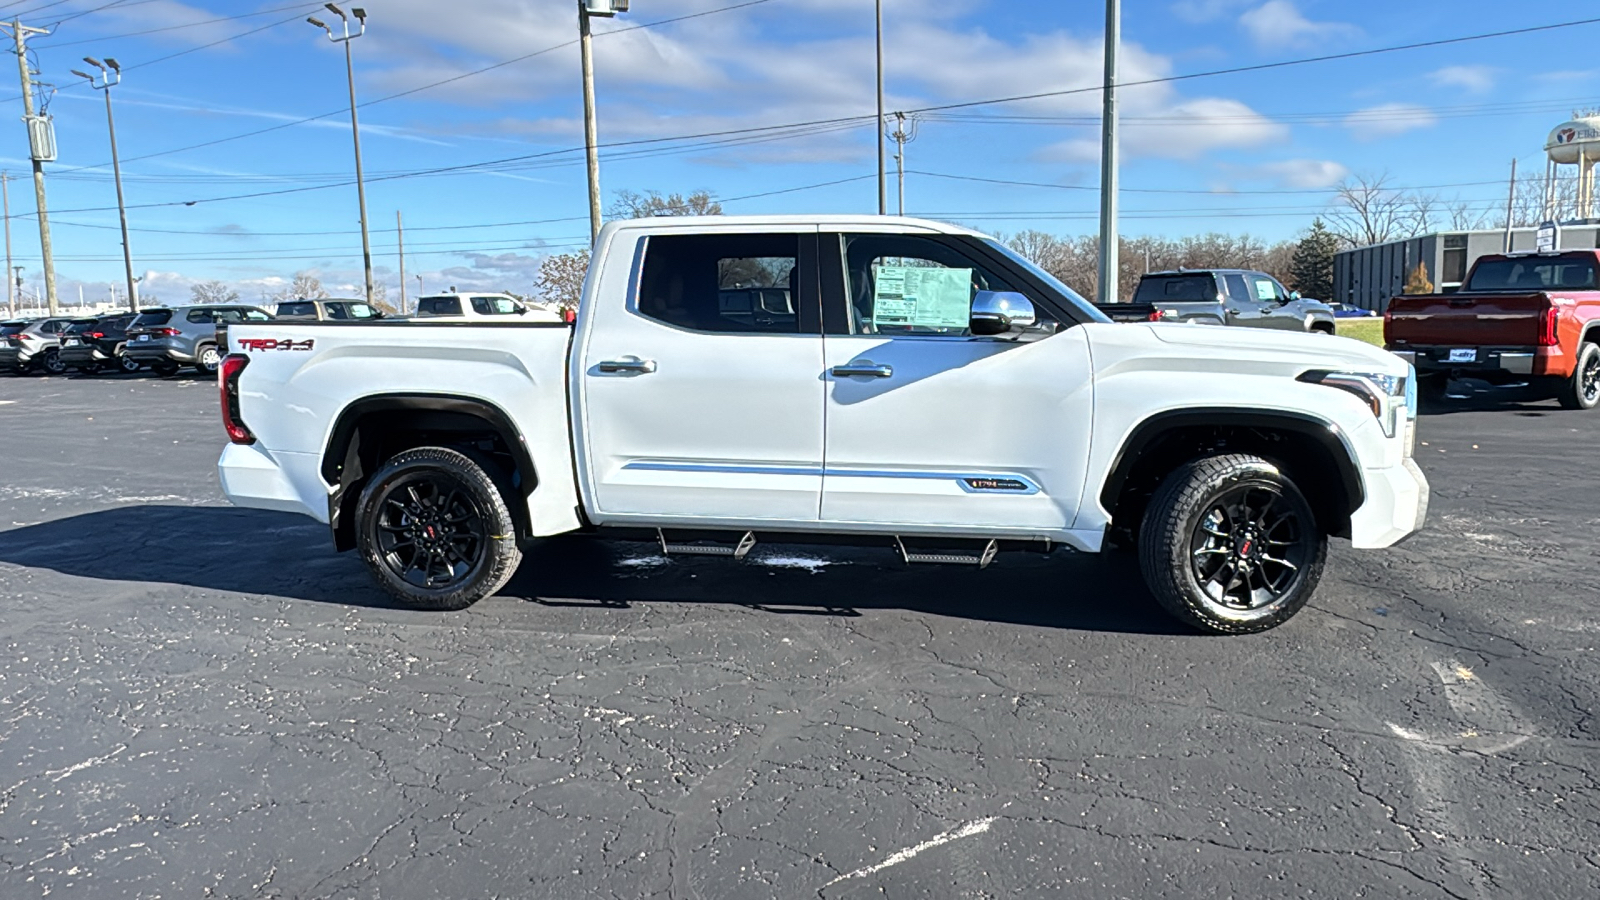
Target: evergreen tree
[{"x": 1311, "y": 273}]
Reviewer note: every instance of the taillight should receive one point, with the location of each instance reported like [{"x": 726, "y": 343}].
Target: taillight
[
  {"x": 167, "y": 332},
  {"x": 1550, "y": 322},
  {"x": 228, "y": 380},
  {"x": 97, "y": 335},
  {"x": 1155, "y": 316}
]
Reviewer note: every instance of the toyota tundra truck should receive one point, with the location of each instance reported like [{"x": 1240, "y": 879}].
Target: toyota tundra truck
[
  {"x": 1519, "y": 318},
  {"x": 902, "y": 383}
]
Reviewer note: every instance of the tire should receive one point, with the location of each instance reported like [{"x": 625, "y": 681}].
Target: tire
[
  {"x": 1208, "y": 522},
  {"x": 208, "y": 359},
  {"x": 1432, "y": 387},
  {"x": 1582, "y": 390},
  {"x": 52, "y": 364},
  {"x": 447, "y": 502},
  {"x": 165, "y": 368}
]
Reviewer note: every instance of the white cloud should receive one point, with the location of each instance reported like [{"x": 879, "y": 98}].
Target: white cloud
[
  {"x": 1301, "y": 173},
  {"x": 1477, "y": 79},
  {"x": 1279, "y": 22},
  {"x": 1184, "y": 130},
  {"x": 1198, "y": 11},
  {"x": 1388, "y": 120}
]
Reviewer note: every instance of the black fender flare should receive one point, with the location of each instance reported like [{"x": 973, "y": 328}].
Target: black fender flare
[
  {"x": 1328, "y": 435},
  {"x": 342, "y": 459}
]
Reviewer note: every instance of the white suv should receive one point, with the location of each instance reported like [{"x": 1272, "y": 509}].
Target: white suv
[{"x": 461, "y": 307}]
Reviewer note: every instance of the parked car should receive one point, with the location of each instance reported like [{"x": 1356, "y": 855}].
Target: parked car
[
  {"x": 330, "y": 310},
  {"x": 1223, "y": 297},
  {"x": 935, "y": 392},
  {"x": 461, "y": 307},
  {"x": 95, "y": 345},
  {"x": 34, "y": 346},
  {"x": 1516, "y": 318},
  {"x": 1342, "y": 311},
  {"x": 168, "y": 338}
]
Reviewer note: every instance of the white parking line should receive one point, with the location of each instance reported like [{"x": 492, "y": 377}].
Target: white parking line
[{"x": 978, "y": 826}]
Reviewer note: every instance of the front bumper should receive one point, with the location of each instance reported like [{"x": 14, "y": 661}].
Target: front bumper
[{"x": 1396, "y": 506}]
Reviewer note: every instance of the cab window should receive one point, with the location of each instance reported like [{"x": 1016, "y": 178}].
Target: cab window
[
  {"x": 911, "y": 285},
  {"x": 722, "y": 283}
]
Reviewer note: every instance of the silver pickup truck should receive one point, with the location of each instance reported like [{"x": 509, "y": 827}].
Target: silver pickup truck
[{"x": 1222, "y": 297}]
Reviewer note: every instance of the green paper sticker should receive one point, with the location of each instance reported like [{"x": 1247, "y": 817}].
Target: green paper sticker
[{"x": 922, "y": 297}]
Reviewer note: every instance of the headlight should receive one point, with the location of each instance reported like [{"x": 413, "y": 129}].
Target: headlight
[{"x": 1390, "y": 397}]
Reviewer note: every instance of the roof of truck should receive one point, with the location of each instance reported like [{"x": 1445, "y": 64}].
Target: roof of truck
[{"x": 830, "y": 221}]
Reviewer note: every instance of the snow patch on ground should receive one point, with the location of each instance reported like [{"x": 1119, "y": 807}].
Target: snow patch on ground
[{"x": 812, "y": 564}]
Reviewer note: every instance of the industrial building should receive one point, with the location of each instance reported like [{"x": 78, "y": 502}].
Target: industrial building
[{"x": 1367, "y": 277}]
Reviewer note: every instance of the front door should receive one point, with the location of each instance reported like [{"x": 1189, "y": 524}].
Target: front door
[
  {"x": 700, "y": 397},
  {"x": 931, "y": 429}
]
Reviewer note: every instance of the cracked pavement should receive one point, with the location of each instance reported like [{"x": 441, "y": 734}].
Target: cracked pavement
[{"x": 199, "y": 701}]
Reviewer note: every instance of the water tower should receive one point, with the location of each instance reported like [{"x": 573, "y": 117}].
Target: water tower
[{"x": 1575, "y": 142}]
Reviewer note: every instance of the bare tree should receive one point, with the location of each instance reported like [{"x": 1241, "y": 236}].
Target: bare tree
[
  {"x": 1468, "y": 216},
  {"x": 305, "y": 286},
  {"x": 560, "y": 279},
  {"x": 1369, "y": 212},
  {"x": 634, "y": 205},
  {"x": 211, "y": 292}
]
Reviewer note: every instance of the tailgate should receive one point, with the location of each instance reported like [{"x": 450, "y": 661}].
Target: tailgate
[{"x": 1467, "y": 320}]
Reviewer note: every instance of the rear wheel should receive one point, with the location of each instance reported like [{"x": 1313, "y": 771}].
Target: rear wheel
[
  {"x": 1230, "y": 545},
  {"x": 434, "y": 528},
  {"x": 165, "y": 368},
  {"x": 1582, "y": 390},
  {"x": 52, "y": 363},
  {"x": 208, "y": 359}
]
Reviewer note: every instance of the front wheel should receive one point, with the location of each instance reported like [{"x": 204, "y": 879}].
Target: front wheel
[
  {"x": 1230, "y": 545},
  {"x": 433, "y": 527},
  {"x": 1582, "y": 390}
]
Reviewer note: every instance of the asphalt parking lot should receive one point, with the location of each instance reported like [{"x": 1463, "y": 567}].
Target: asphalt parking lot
[{"x": 200, "y": 701}]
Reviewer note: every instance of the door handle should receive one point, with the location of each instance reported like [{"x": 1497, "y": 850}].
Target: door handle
[
  {"x": 630, "y": 364},
  {"x": 863, "y": 368}
]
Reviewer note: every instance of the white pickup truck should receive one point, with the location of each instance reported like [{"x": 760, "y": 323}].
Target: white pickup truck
[{"x": 868, "y": 380}]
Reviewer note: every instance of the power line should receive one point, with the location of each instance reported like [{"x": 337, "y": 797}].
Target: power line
[{"x": 251, "y": 15}]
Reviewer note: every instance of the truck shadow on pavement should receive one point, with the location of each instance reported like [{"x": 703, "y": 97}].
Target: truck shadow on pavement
[
  {"x": 239, "y": 551},
  {"x": 1471, "y": 395}
]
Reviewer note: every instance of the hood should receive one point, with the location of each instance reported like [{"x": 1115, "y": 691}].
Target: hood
[{"x": 1309, "y": 351}]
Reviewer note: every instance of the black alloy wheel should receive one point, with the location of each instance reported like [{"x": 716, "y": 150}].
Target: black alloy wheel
[
  {"x": 53, "y": 364},
  {"x": 431, "y": 532},
  {"x": 1230, "y": 545},
  {"x": 434, "y": 527},
  {"x": 1249, "y": 548}
]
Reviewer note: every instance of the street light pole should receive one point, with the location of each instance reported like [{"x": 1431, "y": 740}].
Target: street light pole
[
  {"x": 110, "y": 76},
  {"x": 355, "y": 125},
  {"x": 883, "y": 179},
  {"x": 1108, "y": 159},
  {"x": 591, "y": 129}
]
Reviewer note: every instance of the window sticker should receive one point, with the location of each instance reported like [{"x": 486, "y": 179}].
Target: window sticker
[
  {"x": 1265, "y": 292},
  {"x": 921, "y": 297}
]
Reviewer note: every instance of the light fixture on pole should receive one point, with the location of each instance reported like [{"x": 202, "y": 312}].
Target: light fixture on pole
[
  {"x": 110, "y": 75},
  {"x": 591, "y": 130},
  {"x": 1109, "y": 241},
  {"x": 355, "y": 126}
]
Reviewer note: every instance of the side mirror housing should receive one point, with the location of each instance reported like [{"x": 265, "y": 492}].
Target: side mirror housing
[
  {"x": 522, "y": 310},
  {"x": 1004, "y": 314},
  {"x": 1293, "y": 296}
]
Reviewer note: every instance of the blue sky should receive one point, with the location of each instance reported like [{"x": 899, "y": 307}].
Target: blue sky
[{"x": 1252, "y": 152}]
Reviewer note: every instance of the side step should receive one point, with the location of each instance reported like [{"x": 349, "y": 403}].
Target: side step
[
  {"x": 982, "y": 560},
  {"x": 738, "y": 551}
]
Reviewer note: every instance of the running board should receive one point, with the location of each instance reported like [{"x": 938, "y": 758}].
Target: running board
[
  {"x": 982, "y": 560},
  {"x": 739, "y": 551}
]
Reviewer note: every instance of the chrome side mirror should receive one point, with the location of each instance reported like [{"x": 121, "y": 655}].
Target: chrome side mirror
[{"x": 1001, "y": 314}]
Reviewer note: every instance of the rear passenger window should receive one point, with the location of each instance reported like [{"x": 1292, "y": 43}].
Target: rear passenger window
[
  {"x": 723, "y": 283},
  {"x": 200, "y": 316},
  {"x": 439, "y": 306}
]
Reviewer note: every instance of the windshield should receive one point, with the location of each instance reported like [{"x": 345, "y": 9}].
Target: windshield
[
  {"x": 11, "y": 328},
  {"x": 79, "y": 326},
  {"x": 1533, "y": 274},
  {"x": 1072, "y": 297},
  {"x": 153, "y": 318}
]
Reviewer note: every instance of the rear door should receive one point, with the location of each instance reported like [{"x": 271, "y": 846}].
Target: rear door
[{"x": 694, "y": 410}]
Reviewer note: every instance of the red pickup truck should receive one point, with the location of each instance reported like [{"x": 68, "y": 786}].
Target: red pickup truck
[{"x": 1519, "y": 318}]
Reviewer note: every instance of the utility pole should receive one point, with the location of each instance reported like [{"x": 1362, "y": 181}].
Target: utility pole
[
  {"x": 41, "y": 141},
  {"x": 355, "y": 126},
  {"x": 883, "y": 180},
  {"x": 110, "y": 76},
  {"x": 400, "y": 231},
  {"x": 904, "y": 133},
  {"x": 1511, "y": 202},
  {"x": 11, "y": 284},
  {"x": 1108, "y": 159}
]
